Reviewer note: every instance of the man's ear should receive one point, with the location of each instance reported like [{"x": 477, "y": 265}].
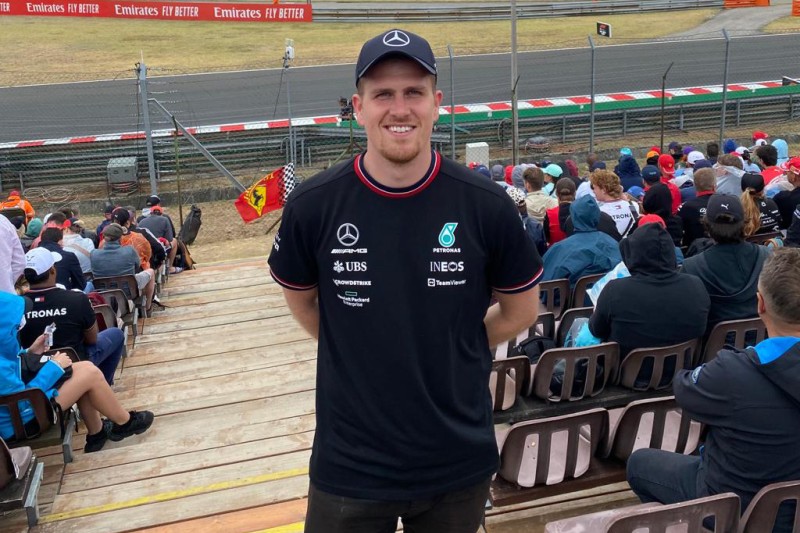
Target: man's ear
[{"x": 761, "y": 306}]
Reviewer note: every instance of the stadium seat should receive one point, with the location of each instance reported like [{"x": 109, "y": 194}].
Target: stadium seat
[
  {"x": 682, "y": 354},
  {"x": 507, "y": 379},
  {"x": 554, "y": 296},
  {"x": 20, "y": 478},
  {"x": 545, "y": 326},
  {"x": 567, "y": 319},
  {"x": 762, "y": 238},
  {"x": 125, "y": 309},
  {"x": 760, "y": 514},
  {"x": 736, "y": 333},
  {"x": 684, "y": 517},
  {"x": 589, "y": 358},
  {"x": 46, "y": 418},
  {"x": 654, "y": 423},
  {"x": 551, "y": 450},
  {"x": 579, "y": 293}
]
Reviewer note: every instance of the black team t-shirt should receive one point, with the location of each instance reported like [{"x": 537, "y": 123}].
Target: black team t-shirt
[
  {"x": 70, "y": 310},
  {"x": 405, "y": 278}
]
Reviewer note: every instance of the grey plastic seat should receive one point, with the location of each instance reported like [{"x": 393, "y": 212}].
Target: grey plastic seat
[
  {"x": 682, "y": 356},
  {"x": 733, "y": 333},
  {"x": 763, "y": 509},
  {"x": 602, "y": 360}
]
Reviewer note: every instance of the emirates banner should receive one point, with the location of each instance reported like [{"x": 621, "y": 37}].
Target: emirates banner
[{"x": 160, "y": 10}]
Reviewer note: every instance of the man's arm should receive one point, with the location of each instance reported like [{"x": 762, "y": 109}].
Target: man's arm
[
  {"x": 304, "y": 306},
  {"x": 512, "y": 314},
  {"x": 90, "y": 335}
]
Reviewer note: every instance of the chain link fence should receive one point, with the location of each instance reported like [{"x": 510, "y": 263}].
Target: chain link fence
[{"x": 66, "y": 134}]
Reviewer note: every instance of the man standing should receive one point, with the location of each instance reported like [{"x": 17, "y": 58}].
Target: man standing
[
  {"x": 750, "y": 403},
  {"x": 12, "y": 256},
  {"x": 388, "y": 260}
]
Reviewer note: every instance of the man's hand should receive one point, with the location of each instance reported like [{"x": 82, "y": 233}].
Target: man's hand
[{"x": 512, "y": 314}]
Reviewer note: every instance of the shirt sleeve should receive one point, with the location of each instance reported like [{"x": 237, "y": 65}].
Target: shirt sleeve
[
  {"x": 292, "y": 262},
  {"x": 86, "y": 315},
  {"x": 514, "y": 263}
]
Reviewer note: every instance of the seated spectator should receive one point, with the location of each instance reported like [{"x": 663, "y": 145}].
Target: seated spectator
[
  {"x": 761, "y": 214},
  {"x": 68, "y": 268},
  {"x": 84, "y": 384},
  {"x": 658, "y": 201},
  {"x": 160, "y": 227},
  {"x": 135, "y": 240},
  {"x": 555, "y": 217},
  {"x": 16, "y": 201},
  {"x": 712, "y": 152},
  {"x": 651, "y": 158},
  {"x": 533, "y": 228},
  {"x": 113, "y": 259},
  {"x": 537, "y": 200},
  {"x": 729, "y": 269},
  {"x": 498, "y": 176},
  {"x": 107, "y": 212},
  {"x": 787, "y": 200},
  {"x": 629, "y": 173},
  {"x": 31, "y": 233},
  {"x": 783, "y": 151},
  {"x": 768, "y": 157},
  {"x": 158, "y": 253},
  {"x": 729, "y": 175},
  {"x": 793, "y": 233},
  {"x": 747, "y": 165},
  {"x": 608, "y": 191},
  {"x": 656, "y": 305},
  {"x": 52, "y": 220},
  {"x": 587, "y": 251},
  {"x": 71, "y": 312},
  {"x": 666, "y": 165},
  {"x": 80, "y": 246},
  {"x": 692, "y": 211},
  {"x": 552, "y": 173},
  {"x": 748, "y": 401}
]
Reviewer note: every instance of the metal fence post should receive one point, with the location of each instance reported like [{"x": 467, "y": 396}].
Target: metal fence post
[
  {"x": 141, "y": 72},
  {"x": 591, "y": 103},
  {"x": 514, "y": 80},
  {"x": 724, "y": 87},
  {"x": 663, "y": 101},
  {"x": 452, "y": 106}
]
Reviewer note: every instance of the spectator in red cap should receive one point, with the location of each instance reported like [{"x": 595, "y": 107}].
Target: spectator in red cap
[
  {"x": 759, "y": 136},
  {"x": 787, "y": 201},
  {"x": 666, "y": 164},
  {"x": 15, "y": 201}
]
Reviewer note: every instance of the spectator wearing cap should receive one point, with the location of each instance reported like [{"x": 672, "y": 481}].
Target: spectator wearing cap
[
  {"x": 499, "y": 176},
  {"x": 729, "y": 146},
  {"x": 483, "y": 170},
  {"x": 78, "y": 245},
  {"x": 675, "y": 151},
  {"x": 685, "y": 181},
  {"x": 532, "y": 227},
  {"x": 68, "y": 268},
  {"x": 16, "y": 201},
  {"x": 729, "y": 174},
  {"x": 135, "y": 240},
  {"x": 692, "y": 211},
  {"x": 787, "y": 201},
  {"x": 747, "y": 165},
  {"x": 759, "y": 136},
  {"x": 158, "y": 253},
  {"x": 674, "y": 310},
  {"x": 161, "y": 227},
  {"x": 666, "y": 165},
  {"x": 107, "y": 212},
  {"x": 12, "y": 256},
  {"x": 712, "y": 151},
  {"x": 729, "y": 269},
  {"x": 630, "y": 175},
  {"x": 31, "y": 233},
  {"x": 72, "y": 314},
  {"x": 113, "y": 259},
  {"x": 587, "y": 251},
  {"x": 761, "y": 214},
  {"x": 658, "y": 201},
  {"x": 610, "y": 198},
  {"x": 551, "y": 174},
  {"x": 537, "y": 201},
  {"x": 651, "y": 158},
  {"x": 555, "y": 217}
]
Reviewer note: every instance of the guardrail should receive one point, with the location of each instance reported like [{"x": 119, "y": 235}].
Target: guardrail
[
  {"x": 248, "y": 151},
  {"x": 500, "y": 12}
]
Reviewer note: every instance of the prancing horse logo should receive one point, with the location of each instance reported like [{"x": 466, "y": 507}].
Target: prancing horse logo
[
  {"x": 396, "y": 38},
  {"x": 347, "y": 234}
]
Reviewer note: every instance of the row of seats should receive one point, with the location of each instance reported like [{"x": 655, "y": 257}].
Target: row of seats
[{"x": 690, "y": 516}]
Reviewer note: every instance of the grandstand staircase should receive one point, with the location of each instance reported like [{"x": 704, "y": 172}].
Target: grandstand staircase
[{"x": 230, "y": 377}]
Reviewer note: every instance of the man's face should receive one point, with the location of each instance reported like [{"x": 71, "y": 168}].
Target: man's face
[{"x": 397, "y": 105}]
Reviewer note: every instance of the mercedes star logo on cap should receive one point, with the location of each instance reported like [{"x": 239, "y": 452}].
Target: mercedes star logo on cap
[{"x": 396, "y": 38}]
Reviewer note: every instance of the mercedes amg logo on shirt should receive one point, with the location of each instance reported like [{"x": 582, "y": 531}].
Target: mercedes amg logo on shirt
[
  {"x": 347, "y": 234},
  {"x": 396, "y": 38}
]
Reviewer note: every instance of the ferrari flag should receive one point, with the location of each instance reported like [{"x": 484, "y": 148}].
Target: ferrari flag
[{"x": 267, "y": 194}]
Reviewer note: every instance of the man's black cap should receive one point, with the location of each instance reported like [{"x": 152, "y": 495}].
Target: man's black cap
[
  {"x": 152, "y": 200},
  {"x": 395, "y": 42}
]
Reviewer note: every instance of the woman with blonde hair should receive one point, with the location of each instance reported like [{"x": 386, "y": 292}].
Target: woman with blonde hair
[
  {"x": 761, "y": 214},
  {"x": 608, "y": 191}
]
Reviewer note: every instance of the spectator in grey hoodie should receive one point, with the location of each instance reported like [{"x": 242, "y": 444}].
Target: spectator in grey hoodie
[{"x": 729, "y": 170}]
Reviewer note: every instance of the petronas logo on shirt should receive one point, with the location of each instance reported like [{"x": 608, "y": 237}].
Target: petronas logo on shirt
[{"x": 447, "y": 237}]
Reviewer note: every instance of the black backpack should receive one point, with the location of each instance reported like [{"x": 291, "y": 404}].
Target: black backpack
[
  {"x": 533, "y": 347},
  {"x": 191, "y": 225}
]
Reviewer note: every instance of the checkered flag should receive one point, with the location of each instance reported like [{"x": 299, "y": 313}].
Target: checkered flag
[{"x": 287, "y": 183}]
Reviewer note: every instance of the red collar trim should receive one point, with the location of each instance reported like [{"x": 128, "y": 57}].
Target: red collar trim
[
  {"x": 405, "y": 192},
  {"x": 705, "y": 193}
]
